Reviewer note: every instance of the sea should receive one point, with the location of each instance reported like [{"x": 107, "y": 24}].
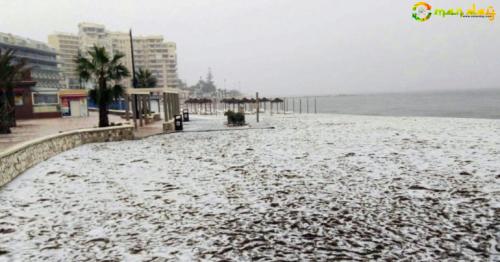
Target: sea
[{"x": 484, "y": 103}]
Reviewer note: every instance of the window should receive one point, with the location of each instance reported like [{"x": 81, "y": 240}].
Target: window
[
  {"x": 45, "y": 99},
  {"x": 18, "y": 100}
]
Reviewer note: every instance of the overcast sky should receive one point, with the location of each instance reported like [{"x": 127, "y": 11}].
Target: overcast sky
[{"x": 289, "y": 47}]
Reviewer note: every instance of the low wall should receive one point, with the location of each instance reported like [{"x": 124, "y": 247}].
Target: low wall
[
  {"x": 18, "y": 159},
  {"x": 110, "y": 111}
]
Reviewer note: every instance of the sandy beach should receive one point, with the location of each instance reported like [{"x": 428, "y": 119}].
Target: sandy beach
[{"x": 313, "y": 188}]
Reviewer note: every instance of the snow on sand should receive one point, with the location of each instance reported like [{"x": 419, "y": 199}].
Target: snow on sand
[{"x": 316, "y": 187}]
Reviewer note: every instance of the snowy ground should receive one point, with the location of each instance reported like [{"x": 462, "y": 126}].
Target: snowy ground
[{"x": 315, "y": 188}]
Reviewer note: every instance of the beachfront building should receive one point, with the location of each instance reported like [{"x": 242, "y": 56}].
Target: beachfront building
[
  {"x": 67, "y": 46},
  {"x": 74, "y": 102},
  {"x": 150, "y": 52},
  {"x": 172, "y": 77},
  {"x": 121, "y": 43},
  {"x": 91, "y": 34},
  {"x": 40, "y": 97}
]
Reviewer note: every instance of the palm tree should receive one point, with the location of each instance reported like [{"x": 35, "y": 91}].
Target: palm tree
[
  {"x": 145, "y": 79},
  {"x": 11, "y": 73},
  {"x": 106, "y": 72}
]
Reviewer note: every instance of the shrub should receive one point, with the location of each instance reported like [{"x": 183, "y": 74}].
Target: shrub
[{"x": 234, "y": 118}]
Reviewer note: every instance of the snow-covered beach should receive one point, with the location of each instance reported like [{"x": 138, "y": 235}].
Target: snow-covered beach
[{"x": 316, "y": 187}]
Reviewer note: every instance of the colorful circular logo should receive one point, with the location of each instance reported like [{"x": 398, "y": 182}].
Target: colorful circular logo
[{"x": 422, "y": 11}]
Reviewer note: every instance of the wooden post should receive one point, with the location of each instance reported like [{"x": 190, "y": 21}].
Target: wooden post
[
  {"x": 159, "y": 107},
  {"x": 146, "y": 106},
  {"x": 170, "y": 105},
  {"x": 177, "y": 102},
  {"x": 293, "y": 105},
  {"x": 127, "y": 109},
  {"x": 300, "y": 105},
  {"x": 307, "y": 102},
  {"x": 315, "y": 108},
  {"x": 258, "y": 107},
  {"x": 165, "y": 107},
  {"x": 134, "y": 109},
  {"x": 174, "y": 103},
  {"x": 149, "y": 102},
  {"x": 140, "y": 104},
  {"x": 171, "y": 102}
]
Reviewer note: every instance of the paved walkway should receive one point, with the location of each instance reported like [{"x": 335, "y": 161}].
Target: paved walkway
[{"x": 35, "y": 128}]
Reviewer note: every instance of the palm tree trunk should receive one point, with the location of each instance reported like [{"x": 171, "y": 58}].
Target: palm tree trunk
[
  {"x": 103, "y": 115},
  {"x": 103, "y": 106},
  {"x": 4, "y": 117},
  {"x": 12, "y": 105}
]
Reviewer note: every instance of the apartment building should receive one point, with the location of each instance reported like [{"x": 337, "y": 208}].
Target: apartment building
[
  {"x": 150, "y": 52},
  {"x": 120, "y": 42},
  {"x": 67, "y": 46},
  {"x": 91, "y": 34},
  {"x": 40, "y": 99},
  {"x": 172, "y": 77}
]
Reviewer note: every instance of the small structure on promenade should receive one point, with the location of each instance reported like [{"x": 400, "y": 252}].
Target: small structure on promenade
[
  {"x": 23, "y": 99},
  {"x": 138, "y": 106},
  {"x": 73, "y": 102}
]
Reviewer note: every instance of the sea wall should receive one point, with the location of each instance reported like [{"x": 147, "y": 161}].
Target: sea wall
[{"x": 18, "y": 159}]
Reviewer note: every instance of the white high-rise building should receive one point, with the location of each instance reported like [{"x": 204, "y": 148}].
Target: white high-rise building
[
  {"x": 172, "y": 77},
  {"x": 67, "y": 46},
  {"x": 93, "y": 34},
  {"x": 150, "y": 52}
]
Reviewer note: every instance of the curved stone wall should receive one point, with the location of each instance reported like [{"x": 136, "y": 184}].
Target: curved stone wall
[{"x": 16, "y": 160}]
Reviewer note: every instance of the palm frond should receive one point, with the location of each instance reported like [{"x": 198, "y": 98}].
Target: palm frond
[
  {"x": 145, "y": 78},
  {"x": 117, "y": 91},
  {"x": 84, "y": 67},
  {"x": 118, "y": 72}
]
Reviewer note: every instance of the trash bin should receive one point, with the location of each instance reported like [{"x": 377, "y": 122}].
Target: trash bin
[
  {"x": 178, "y": 122},
  {"x": 185, "y": 115}
]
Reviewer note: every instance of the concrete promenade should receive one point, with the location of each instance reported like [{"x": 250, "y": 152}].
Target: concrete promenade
[{"x": 35, "y": 128}]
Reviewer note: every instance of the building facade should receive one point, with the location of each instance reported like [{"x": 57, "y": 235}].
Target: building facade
[
  {"x": 67, "y": 46},
  {"x": 45, "y": 74},
  {"x": 150, "y": 52},
  {"x": 91, "y": 34},
  {"x": 172, "y": 76}
]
